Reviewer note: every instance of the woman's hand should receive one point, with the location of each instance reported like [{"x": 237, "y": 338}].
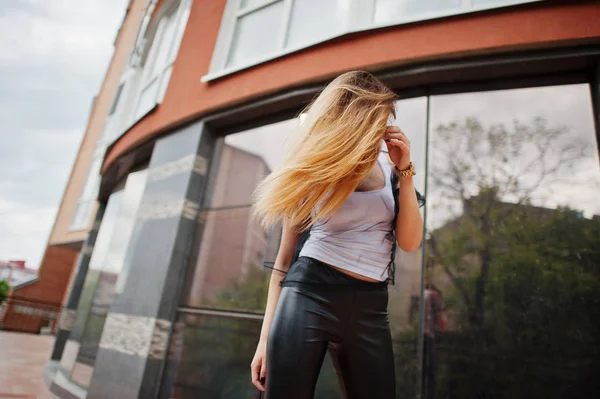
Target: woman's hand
[
  {"x": 398, "y": 146},
  {"x": 258, "y": 366}
]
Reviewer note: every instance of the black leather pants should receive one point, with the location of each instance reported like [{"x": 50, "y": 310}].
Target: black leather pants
[{"x": 322, "y": 308}]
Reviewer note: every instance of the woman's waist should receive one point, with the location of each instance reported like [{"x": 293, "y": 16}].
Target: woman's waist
[
  {"x": 354, "y": 275},
  {"x": 310, "y": 271}
]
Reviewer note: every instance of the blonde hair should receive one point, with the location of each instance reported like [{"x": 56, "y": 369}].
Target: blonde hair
[{"x": 335, "y": 147}]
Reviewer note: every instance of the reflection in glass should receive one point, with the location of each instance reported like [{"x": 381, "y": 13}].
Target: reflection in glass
[
  {"x": 397, "y": 10},
  {"x": 512, "y": 245},
  {"x": 85, "y": 355},
  {"x": 314, "y": 20},
  {"x": 227, "y": 273},
  {"x": 209, "y": 357},
  {"x": 256, "y": 34},
  {"x": 105, "y": 266},
  {"x": 234, "y": 246},
  {"x": 411, "y": 117}
]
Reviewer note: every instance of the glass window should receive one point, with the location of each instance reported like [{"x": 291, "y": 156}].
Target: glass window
[
  {"x": 161, "y": 56},
  {"x": 510, "y": 305},
  {"x": 84, "y": 352},
  {"x": 251, "y": 3},
  {"x": 257, "y": 34},
  {"x": 147, "y": 99},
  {"x": 163, "y": 43},
  {"x": 256, "y": 30},
  {"x": 314, "y": 20},
  {"x": 228, "y": 273},
  {"x": 179, "y": 31},
  {"x": 211, "y": 351},
  {"x": 82, "y": 215},
  {"x": 228, "y": 277},
  {"x": 397, "y": 10},
  {"x": 115, "y": 103},
  {"x": 210, "y": 355},
  {"x": 140, "y": 41},
  {"x": 411, "y": 117},
  {"x": 87, "y": 198},
  {"x": 92, "y": 184},
  {"x": 105, "y": 275}
]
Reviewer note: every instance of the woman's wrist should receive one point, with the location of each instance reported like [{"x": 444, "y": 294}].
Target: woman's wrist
[{"x": 406, "y": 172}]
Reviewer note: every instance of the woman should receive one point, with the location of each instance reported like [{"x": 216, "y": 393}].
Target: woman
[{"x": 335, "y": 180}]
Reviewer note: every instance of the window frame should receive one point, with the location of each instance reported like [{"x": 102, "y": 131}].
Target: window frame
[
  {"x": 360, "y": 18},
  {"x": 155, "y": 31},
  {"x": 134, "y": 79},
  {"x": 89, "y": 193}
]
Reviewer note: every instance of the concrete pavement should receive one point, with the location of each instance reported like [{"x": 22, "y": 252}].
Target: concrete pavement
[{"x": 22, "y": 361}]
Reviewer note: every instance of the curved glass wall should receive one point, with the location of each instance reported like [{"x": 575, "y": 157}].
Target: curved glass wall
[
  {"x": 219, "y": 325},
  {"x": 503, "y": 304},
  {"x": 105, "y": 274}
]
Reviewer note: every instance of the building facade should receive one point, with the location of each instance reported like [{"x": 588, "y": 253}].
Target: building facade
[
  {"x": 78, "y": 206},
  {"x": 501, "y": 102}
]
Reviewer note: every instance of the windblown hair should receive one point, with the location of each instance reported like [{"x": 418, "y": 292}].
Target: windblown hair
[{"x": 335, "y": 147}]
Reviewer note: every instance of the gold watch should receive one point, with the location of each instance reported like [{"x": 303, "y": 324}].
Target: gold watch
[{"x": 408, "y": 172}]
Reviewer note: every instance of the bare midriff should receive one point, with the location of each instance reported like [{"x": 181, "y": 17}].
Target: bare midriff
[{"x": 355, "y": 275}]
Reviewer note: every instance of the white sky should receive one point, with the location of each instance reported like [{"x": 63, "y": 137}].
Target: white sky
[{"x": 53, "y": 56}]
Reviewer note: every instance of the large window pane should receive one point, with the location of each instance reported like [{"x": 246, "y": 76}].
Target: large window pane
[
  {"x": 164, "y": 43},
  {"x": 228, "y": 272},
  {"x": 411, "y": 117},
  {"x": 210, "y": 356},
  {"x": 512, "y": 250},
  {"x": 228, "y": 276},
  {"x": 85, "y": 354},
  {"x": 82, "y": 215},
  {"x": 314, "y": 20},
  {"x": 180, "y": 30},
  {"x": 256, "y": 34},
  {"x": 90, "y": 189},
  {"x": 104, "y": 274},
  {"x": 397, "y": 10},
  {"x": 147, "y": 99},
  {"x": 250, "y": 38}
]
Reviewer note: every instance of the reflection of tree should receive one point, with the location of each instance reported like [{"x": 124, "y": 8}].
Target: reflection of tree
[
  {"x": 406, "y": 362},
  {"x": 475, "y": 168},
  {"x": 220, "y": 348},
  {"x": 522, "y": 280},
  {"x": 246, "y": 292},
  {"x": 215, "y": 357}
]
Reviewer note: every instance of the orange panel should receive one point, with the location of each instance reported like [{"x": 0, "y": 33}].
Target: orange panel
[
  {"x": 54, "y": 274},
  {"x": 536, "y": 26}
]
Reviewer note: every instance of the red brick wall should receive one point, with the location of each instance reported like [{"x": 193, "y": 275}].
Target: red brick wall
[
  {"x": 45, "y": 295},
  {"x": 58, "y": 264}
]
